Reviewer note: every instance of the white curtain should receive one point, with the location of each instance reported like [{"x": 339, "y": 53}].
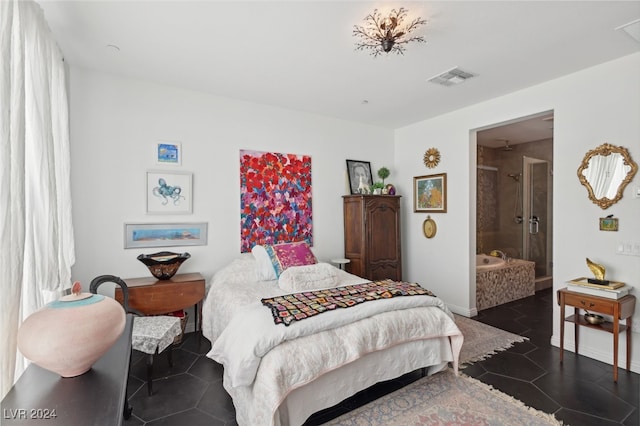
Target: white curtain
[{"x": 36, "y": 234}]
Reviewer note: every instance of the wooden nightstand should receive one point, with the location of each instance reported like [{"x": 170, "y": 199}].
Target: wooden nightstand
[
  {"x": 154, "y": 297},
  {"x": 620, "y": 309}
]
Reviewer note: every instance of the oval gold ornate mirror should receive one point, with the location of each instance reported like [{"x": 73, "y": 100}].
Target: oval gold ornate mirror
[{"x": 605, "y": 172}]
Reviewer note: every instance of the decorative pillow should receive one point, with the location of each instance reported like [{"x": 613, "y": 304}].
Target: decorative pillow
[
  {"x": 264, "y": 271},
  {"x": 286, "y": 255},
  {"x": 309, "y": 277}
]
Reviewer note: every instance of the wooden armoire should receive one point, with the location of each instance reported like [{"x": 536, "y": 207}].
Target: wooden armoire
[{"x": 372, "y": 236}]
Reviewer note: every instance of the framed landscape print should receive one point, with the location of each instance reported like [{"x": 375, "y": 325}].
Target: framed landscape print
[
  {"x": 608, "y": 224},
  {"x": 430, "y": 193},
  {"x": 164, "y": 234}
]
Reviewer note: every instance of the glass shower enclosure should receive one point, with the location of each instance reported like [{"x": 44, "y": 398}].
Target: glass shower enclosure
[{"x": 537, "y": 214}]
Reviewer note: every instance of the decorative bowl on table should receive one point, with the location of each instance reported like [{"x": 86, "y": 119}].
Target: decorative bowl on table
[
  {"x": 594, "y": 319},
  {"x": 163, "y": 265}
]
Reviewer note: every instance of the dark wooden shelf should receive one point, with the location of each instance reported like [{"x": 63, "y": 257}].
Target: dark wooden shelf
[{"x": 605, "y": 326}]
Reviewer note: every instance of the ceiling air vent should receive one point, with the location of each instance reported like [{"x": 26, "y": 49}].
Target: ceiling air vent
[{"x": 451, "y": 77}]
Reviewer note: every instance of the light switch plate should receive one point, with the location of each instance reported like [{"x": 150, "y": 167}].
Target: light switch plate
[{"x": 628, "y": 248}]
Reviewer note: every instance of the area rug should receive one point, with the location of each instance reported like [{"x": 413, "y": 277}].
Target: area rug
[
  {"x": 482, "y": 340},
  {"x": 447, "y": 399},
  {"x": 444, "y": 399}
]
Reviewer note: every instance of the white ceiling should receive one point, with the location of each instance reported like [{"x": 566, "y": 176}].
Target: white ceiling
[
  {"x": 300, "y": 54},
  {"x": 522, "y": 130}
]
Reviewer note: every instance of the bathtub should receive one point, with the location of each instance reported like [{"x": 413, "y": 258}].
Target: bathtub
[
  {"x": 484, "y": 262},
  {"x": 499, "y": 281}
]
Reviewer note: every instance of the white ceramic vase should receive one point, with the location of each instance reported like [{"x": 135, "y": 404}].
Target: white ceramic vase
[{"x": 69, "y": 335}]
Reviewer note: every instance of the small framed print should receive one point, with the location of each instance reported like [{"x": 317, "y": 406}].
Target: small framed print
[
  {"x": 169, "y": 192},
  {"x": 168, "y": 153},
  {"x": 608, "y": 224},
  {"x": 430, "y": 193}
]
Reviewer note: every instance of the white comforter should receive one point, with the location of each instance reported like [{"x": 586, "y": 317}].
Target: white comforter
[{"x": 264, "y": 362}]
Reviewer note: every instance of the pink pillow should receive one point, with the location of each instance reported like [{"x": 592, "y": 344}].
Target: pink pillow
[{"x": 290, "y": 254}]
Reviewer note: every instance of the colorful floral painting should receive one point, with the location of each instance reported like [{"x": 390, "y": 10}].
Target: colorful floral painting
[
  {"x": 430, "y": 193},
  {"x": 275, "y": 198}
]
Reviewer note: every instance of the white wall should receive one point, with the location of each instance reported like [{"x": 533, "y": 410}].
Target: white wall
[
  {"x": 591, "y": 107},
  {"x": 115, "y": 123}
]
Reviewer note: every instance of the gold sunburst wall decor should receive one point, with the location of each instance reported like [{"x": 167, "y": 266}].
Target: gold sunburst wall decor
[{"x": 431, "y": 158}]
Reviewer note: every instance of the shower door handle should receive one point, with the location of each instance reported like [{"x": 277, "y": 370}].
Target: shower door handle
[{"x": 533, "y": 224}]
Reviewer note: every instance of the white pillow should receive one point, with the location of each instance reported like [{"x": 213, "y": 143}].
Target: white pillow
[
  {"x": 308, "y": 277},
  {"x": 264, "y": 271}
]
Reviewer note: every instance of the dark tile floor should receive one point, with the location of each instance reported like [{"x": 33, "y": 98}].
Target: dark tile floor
[{"x": 580, "y": 392}]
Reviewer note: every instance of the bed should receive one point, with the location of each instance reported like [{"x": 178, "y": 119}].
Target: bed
[{"x": 280, "y": 374}]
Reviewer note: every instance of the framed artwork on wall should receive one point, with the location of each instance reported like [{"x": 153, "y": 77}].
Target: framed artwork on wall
[
  {"x": 359, "y": 171},
  {"x": 275, "y": 198},
  {"x": 608, "y": 224},
  {"x": 430, "y": 193},
  {"x": 164, "y": 234},
  {"x": 169, "y": 192},
  {"x": 168, "y": 153}
]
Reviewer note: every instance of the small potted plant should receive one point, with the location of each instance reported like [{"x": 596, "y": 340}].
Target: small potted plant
[
  {"x": 376, "y": 188},
  {"x": 383, "y": 173}
]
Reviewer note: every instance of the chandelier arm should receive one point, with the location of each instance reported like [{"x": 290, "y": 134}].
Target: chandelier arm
[
  {"x": 363, "y": 46},
  {"x": 419, "y": 39},
  {"x": 415, "y": 24},
  {"x": 400, "y": 48},
  {"x": 376, "y": 18},
  {"x": 361, "y": 32}
]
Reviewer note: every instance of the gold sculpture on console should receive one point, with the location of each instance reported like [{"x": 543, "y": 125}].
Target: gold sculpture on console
[{"x": 598, "y": 270}]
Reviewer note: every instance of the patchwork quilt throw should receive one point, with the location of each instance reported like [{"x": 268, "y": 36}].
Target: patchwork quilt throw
[{"x": 288, "y": 308}]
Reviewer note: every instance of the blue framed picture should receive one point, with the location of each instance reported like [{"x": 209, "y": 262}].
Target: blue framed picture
[{"x": 169, "y": 153}]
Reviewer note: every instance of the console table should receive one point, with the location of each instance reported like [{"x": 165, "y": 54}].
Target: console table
[
  {"x": 154, "y": 297},
  {"x": 97, "y": 397},
  {"x": 620, "y": 309}
]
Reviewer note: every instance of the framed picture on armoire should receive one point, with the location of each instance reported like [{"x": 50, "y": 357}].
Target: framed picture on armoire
[{"x": 359, "y": 175}]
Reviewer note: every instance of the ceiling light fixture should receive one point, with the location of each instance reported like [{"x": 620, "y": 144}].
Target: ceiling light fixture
[
  {"x": 387, "y": 34},
  {"x": 506, "y": 145}
]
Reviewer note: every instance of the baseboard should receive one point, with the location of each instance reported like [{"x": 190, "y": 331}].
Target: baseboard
[
  {"x": 600, "y": 355},
  {"x": 465, "y": 312}
]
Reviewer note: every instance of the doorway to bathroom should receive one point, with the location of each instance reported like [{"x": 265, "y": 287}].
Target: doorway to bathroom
[{"x": 514, "y": 193}]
